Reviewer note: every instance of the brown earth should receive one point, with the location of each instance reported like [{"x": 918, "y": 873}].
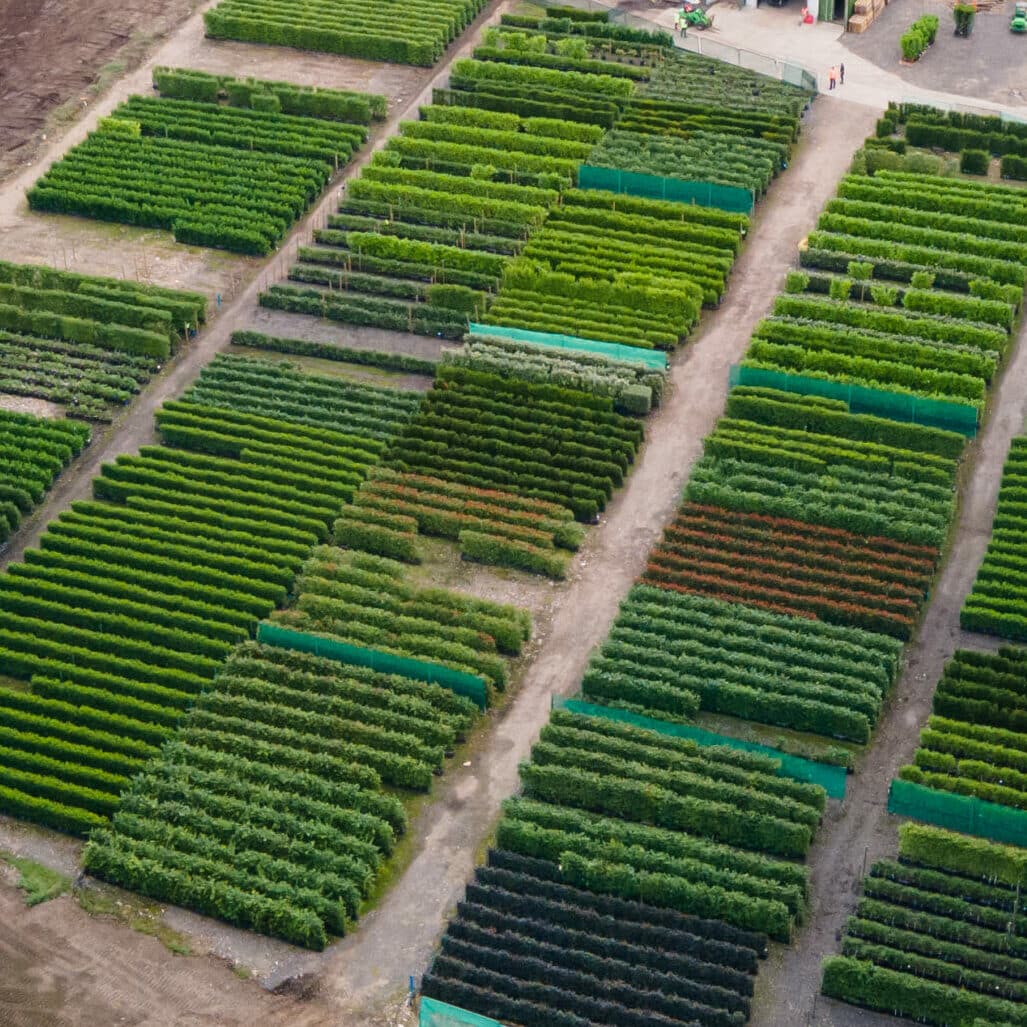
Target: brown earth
[
  {"x": 64, "y": 968},
  {"x": 55, "y": 57},
  {"x": 30, "y": 405}
]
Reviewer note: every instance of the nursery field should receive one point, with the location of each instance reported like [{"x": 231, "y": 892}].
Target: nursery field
[
  {"x": 616, "y": 820},
  {"x": 364, "y": 600},
  {"x": 998, "y": 603},
  {"x": 803, "y": 507},
  {"x": 975, "y": 743},
  {"x": 420, "y": 239},
  {"x": 241, "y": 669},
  {"x": 408, "y": 33},
  {"x": 687, "y": 118},
  {"x": 274, "y": 806},
  {"x": 563, "y": 941},
  {"x": 938, "y": 936},
  {"x": 975, "y": 137},
  {"x": 284, "y": 784},
  {"x": 904, "y": 492},
  {"x": 635, "y": 388},
  {"x": 670, "y": 654},
  {"x": 542, "y": 453},
  {"x": 947, "y": 340},
  {"x": 540, "y": 441},
  {"x": 910, "y": 285},
  {"x": 471, "y": 215},
  {"x": 616, "y": 269},
  {"x": 124, "y": 613},
  {"x": 87, "y": 343},
  {"x": 232, "y": 175},
  {"x": 33, "y": 452},
  {"x": 798, "y": 564},
  {"x": 794, "y": 568}
]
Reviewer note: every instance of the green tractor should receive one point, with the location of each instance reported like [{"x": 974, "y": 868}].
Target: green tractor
[
  {"x": 692, "y": 16},
  {"x": 1018, "y": 22}
]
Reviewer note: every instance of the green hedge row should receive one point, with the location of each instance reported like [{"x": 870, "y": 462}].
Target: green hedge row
[
  {"x": 530, "y": 889},
  {"x": 187, "y": 885},
  {"x": 417, "y": 36},
  {"x": 888, "y": 991},
  {"x": 231, "y": 178},
  {"x": 647, "y": 803},
  {"x": 306, "y": 101},
  {"x": 500, "y": 550}
]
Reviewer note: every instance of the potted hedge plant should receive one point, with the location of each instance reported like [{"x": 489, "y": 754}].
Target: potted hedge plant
[{"x": 964, "y": 16}]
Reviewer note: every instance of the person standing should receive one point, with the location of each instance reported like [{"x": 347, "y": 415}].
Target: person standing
[
  {"x": 832, "y": 77},
  {"x": 841, "y": 74}
]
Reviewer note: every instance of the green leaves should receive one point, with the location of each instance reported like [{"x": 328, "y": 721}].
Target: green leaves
[{"x": 417, "y": 35}]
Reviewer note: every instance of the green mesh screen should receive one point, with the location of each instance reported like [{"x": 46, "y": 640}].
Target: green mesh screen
[
  {"x": 612, "y": 350},
  {"x": 441, "y": 1014},
  {"x": 387, "y": 663},
  {"x": 655, "y": 187},
  {"x": 896, "y": 406},
  {"x": 830, "y": 778},
  {"x": 961, "y": 813}
]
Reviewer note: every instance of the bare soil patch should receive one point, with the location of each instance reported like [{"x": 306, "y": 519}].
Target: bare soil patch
[
  {"x": 31, "y": 405},
  {"x": 121, "y": 251},
  {"x": 56, "y": 57},
  {"x": 64, "y": 968}
]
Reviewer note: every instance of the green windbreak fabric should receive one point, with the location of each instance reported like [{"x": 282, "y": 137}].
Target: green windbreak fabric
[
  {"x": 656, "y": 187},
  {"x": 441, "y": 1014},
  {"x": 830, "y": 778},
  {"x": 387, "y": 663},
  {"x": 896, "y": 406},
  {"x": 655, "y": 359},
  {"x": 961, "y": 813}
]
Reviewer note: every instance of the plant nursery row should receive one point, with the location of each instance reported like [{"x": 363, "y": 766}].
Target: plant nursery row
[
  {"x": 132, "y": 600},
  {"x": 781, "y": 594},
  {"x": 647, "y": 827},
  {"x": 938, "y": 936},
  {"x": 232, "y": 175},
  {"x": 33, "y": 452},
  {"x": 268, "y": 809},
  {"x": 87, "y": 343},
  {"x": 997, "y": 604},
  {"x": 414, "y": 32}
]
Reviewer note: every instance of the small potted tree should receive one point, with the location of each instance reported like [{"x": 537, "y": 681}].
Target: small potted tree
[{"x": 964, "y": 16}]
